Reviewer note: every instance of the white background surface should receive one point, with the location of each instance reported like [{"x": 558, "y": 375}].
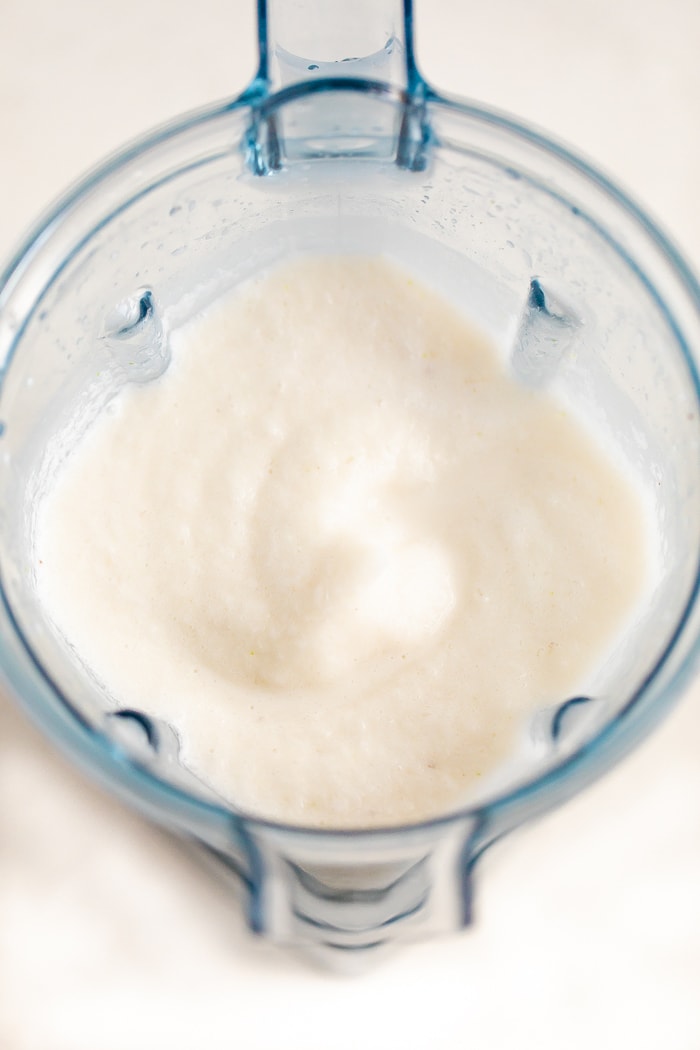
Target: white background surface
[{"x": 588, "y": 930}]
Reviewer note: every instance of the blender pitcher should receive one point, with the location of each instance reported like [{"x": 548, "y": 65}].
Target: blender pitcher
[{"x": 339, "y": 144}]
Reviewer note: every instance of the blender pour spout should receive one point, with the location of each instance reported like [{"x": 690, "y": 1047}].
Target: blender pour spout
[
  {"x": 303, "y": 40},
  {"x": 313, "y": 46}
]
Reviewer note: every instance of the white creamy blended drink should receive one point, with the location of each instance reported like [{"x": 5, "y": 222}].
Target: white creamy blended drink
[{"x": 339, "y": 548}]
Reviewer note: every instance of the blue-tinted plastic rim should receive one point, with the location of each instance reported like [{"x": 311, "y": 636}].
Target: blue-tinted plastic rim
[{"x": 173, "y": 805}]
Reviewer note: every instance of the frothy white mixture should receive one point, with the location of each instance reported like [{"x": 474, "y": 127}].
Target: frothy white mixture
[{"x": 339, "y": 547}]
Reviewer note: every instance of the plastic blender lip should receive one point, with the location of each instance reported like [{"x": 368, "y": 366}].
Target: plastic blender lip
[{"x": 533, "y": 794}]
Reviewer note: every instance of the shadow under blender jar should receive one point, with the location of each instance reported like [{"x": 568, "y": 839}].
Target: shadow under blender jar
[{"x": 330, "y": 153}]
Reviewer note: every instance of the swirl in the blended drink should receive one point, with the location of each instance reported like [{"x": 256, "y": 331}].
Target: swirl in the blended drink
[{"x": 340, "y": 548}]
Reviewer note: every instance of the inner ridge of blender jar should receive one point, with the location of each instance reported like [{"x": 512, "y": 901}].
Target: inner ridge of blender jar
[
  {"x": 136, "y": 338},
  {"x": 547, "y": 330}
]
